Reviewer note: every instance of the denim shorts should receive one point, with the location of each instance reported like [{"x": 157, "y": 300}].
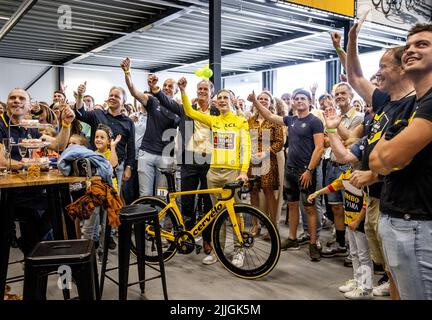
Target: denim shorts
[
  {"x": 292, "y": 188},
  {"x": 408, "y": 253},
  {"x": 332, "y": 173}
]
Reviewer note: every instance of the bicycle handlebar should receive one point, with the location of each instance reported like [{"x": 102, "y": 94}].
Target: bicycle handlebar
[{"x": 239, "y": 184}]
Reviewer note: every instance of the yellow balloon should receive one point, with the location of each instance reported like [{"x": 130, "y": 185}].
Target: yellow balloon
[
  {"x": 207, "y": 73},
  {"x": 199, "y": 72}
]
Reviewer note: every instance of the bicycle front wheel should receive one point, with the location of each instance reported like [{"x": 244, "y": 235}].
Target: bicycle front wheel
[
  {"x": 259, "y": 253},
  {"x": 168, "y": 225},
  {"x": 376, "y": 3}
]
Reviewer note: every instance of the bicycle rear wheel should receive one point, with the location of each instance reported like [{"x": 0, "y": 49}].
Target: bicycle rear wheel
[
  {"x": 257, "y": 256},
  {"x": 168, "y": 224}
]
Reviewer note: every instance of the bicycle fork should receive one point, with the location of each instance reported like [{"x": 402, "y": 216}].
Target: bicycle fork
[{"x": 237, "y": 222}]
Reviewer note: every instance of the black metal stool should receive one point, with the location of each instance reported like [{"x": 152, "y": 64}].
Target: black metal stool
[
  {"x": 138, "y": 216},
  {"x": 49, "y": 256}
]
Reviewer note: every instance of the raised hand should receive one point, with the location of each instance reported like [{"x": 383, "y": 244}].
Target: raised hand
[
  {"x": 82, "y": 89},
  {"x": 115, "y": 141},
  {"x": 353, "y": 32},
  {"x": 331, "y": 118},
  {"x": 252, "y": 97},
  {"x": 152, "y": 81},
  {"x": 182, "y": 83},
  {"x": 67, "y": 115},
  {"x": 336, "y": 39},
  {"x": 126, "y": 64},
  {"x": 314, "y": 87}
]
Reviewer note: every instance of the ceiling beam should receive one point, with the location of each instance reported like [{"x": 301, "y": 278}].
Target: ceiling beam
[
  {"x": 16, "y": 17},
  {"x": 138, "y": 28},
  {"x": 226, "y": 52}
]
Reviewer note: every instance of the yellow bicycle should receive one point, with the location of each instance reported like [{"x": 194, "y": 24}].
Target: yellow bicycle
[{"x": 232, "y": 231}]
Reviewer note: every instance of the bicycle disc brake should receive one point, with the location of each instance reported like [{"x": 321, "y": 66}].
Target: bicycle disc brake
[{"x": 185, "y": 242}]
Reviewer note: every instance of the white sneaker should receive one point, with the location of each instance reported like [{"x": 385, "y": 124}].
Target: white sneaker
[
  {"x": 382, "y": 290},
  {"x": 238, "y": 259},
  {"x": 350, "y": 285},
  {"x": 209, "y": 259},
  {"x": 359, "y": 294}
]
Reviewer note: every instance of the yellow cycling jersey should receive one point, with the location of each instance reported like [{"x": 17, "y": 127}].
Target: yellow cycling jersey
[
  {"x": 354, "y": 199},
  {"x": 230, "y": 138}
]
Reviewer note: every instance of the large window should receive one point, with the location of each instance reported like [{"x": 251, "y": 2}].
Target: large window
[
  {"x": 243, "y": 84},
  {"x": 301, "y": 76}
]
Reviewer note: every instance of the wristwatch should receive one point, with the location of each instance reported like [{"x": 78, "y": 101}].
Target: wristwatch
[{"x": 310, "y": 170}]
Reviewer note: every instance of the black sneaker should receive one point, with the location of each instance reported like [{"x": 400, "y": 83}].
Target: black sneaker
[
  {"x": 383, "y": 279},
  {"x": 334, "y": 251},
  {"x": 111, "y": 243},
  {"x": 289, "y": 244},
  {"x": 303, "y": 239},
  {"x": 314, "y": 253}
]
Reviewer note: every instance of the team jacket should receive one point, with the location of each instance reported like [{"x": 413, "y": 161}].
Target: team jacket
[{"x": 230, "y": 138}]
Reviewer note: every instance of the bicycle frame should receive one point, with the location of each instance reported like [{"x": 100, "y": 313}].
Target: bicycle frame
[{"x": 205, "y": 221}]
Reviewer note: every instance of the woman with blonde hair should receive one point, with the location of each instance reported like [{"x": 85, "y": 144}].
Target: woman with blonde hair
[{"x": 266, "y": 142}]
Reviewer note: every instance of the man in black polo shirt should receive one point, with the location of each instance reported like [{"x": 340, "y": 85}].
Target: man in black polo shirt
[
  {"x": 157, "y": 146},
  {"x": 119, "y": 124},
  {"x": 405, "y": 158},
  {"x": 29, "y": 204}
]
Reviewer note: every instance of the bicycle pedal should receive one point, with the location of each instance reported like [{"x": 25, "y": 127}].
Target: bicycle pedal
[{"x": 198, "y": 248}]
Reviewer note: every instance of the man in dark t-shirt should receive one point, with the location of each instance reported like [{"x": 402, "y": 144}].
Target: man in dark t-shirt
[
  {"x": 157, "y": 146},
  {"x": 306, "y": 146},
  {"x": 404, "y": 157}
]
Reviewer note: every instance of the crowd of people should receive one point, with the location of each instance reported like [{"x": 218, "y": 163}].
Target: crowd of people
[{"x": 362, "y": 165}]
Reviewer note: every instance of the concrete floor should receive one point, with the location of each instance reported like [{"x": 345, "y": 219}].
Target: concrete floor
[{"x": 295, "y": 277}]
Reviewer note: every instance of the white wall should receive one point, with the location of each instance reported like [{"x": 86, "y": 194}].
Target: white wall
[{"x": 15, "y": 73}]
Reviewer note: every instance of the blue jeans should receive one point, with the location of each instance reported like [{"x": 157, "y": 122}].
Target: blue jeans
[
  {"x": 332, "y": 173},
  {"x": 408, "y": 253},
  {"x": 148, "y": 165},
  {"x": 90, "y": 228}
]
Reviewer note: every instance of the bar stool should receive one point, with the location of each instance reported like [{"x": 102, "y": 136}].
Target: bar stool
[
  {"x": 48, "y": 256},
  {"x": 138, "y": 216}
]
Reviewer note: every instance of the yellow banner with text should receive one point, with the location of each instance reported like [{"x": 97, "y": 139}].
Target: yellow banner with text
[{"x": 343, "y": 7}]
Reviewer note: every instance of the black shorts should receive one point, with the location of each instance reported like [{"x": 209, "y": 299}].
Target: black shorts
[{"x": 292, "y": 188}]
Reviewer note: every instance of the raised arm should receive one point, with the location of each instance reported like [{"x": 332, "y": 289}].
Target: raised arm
[
  {"x": 81, "y": 114},
  {"x": 169, "y": 103},
  {"x": 336, "y": 40},
  {"x": 140, "y": 96},
  {"x": 189, "y": 111},
  {"x": 354, "y": 71},
  {"x": 62, "y": 139},
  {"x": 113, "y": 155},
  {"x": 341, "y": 153},
  {"x": 267, "y": 114}
]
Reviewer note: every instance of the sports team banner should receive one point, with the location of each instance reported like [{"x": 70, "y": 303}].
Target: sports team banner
[{"x": 343, "y": 7}]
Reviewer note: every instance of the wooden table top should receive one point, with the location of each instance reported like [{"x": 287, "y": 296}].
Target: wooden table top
[{"x": 52, "y": 177}]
